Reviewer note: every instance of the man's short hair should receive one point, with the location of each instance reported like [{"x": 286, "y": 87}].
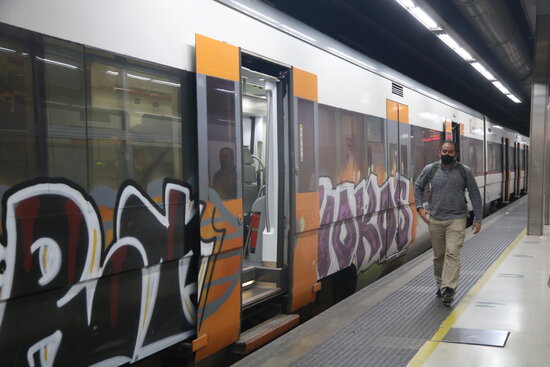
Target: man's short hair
[{"x": 449, "y": 142}]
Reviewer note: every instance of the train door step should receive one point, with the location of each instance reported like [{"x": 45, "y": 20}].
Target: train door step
[
  {"x": 261, "y": 334},
  {"x": 258, "y": 293}
]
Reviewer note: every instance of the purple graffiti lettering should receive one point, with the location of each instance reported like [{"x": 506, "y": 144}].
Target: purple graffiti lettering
[{"x": 363, "y": 224}]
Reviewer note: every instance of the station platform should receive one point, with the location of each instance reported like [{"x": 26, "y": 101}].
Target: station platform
[{"x": 498, "y": 318}]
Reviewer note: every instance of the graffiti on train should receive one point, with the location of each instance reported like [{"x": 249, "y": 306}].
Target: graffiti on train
[
  {"x": 357, "y": 224},
  {"x": 94, "y": 303}
]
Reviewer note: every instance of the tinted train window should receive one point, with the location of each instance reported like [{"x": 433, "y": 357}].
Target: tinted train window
[
  {"x": 511, "y": 157},
  {"x": 307, "y": 182},
  {"x": 17, "y": 123},
  {"x": 375, "y": 152},
  {"x": 100, "y": 118},
  {"x": 351, "y": 147},
  {"x": 425, "y": 147},
  {"x": 472, "y": 155},
  {"x": 220, "y": 98},
  {"x": 134, "y": 127},
  {"x": 328, "y": 164},
  {"x": 494, "y": 157},
  {"x": 64, "y": 102}
]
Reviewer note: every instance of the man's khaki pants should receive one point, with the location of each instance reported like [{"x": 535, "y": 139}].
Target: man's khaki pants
[{"x": 447, "y": 239}]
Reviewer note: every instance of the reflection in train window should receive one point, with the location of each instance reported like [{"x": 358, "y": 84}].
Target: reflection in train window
[
  {"x": 306, "y": 147},
  {"x": 63, "y": 66},
  {"x": 17, "y": 126},
  {"x": 134, "y": 127},
  {"x": 425, "y": 147},
  {"x": 351, "y": 146},
  {"x": 376, "y": 155},
  {"x": 328, "y": 165},
  {"x": 220, "y": 98}
]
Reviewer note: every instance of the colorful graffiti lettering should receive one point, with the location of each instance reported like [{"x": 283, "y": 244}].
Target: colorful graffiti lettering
[
  {"x": 67, "y": 298},
  {"x": 363, "y": 222}
]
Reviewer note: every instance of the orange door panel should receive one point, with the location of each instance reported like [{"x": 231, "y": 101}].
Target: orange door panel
[{"x": 219, "y": 283}]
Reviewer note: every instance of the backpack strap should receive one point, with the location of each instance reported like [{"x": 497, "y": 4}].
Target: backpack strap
[{"x": 433, "y": 170}]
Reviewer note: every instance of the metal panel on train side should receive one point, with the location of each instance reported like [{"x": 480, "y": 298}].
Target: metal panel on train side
[{"x": 220, "y": 193}]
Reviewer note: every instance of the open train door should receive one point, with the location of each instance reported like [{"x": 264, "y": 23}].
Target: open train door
[
  {"x": 304, "y": 186},
  {"x": 454, "y": 131},
  {"x": 220, "y": 185}
]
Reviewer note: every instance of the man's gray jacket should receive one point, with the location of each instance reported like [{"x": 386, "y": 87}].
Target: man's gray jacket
[{"x": 446, "y": 199}]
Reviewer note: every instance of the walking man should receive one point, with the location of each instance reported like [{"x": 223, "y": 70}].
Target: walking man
[{"x": 447, "y": 214}]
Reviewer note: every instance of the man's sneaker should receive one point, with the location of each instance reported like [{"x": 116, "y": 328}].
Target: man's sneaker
[
  {"x": 438, "y": 293},
  {"x": 448, "y": 296}
]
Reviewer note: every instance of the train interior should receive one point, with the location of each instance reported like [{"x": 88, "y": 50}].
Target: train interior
[{"x": 263, "y": 260}]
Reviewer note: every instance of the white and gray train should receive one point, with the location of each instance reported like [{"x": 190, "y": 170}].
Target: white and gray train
[{"x": 182, "y": 170}]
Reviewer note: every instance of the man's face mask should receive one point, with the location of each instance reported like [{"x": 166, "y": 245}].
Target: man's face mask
[
  {"x": 447, "y": 159},
  {"x": 448, "y": 154}
]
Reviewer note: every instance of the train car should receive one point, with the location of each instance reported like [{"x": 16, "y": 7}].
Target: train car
[
  {"x": 506, "y": 158},
  {"x": 203, "y": 172}
]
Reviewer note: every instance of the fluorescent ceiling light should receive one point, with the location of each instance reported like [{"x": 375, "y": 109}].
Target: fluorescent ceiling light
[
  {"x": 137, "y": 77},
  {"x": 449, "y": 41},
  {"x": 110, "y": 72},
  {"x": 483, "y": 71},
  {"x": 407, "y": 4},
  {"x": 58, "y": 63},
  {"x": 424, "y": 18},
  {"x": 7, "y": 50},
  {"x": 513, "y": 98},
  {"x": 501, "y": 87},
  {"x": 164, "y": 82},
  {"x": 225, "y": 91}
]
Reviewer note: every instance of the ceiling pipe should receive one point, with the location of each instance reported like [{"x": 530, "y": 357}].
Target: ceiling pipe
[{"x": 493, "y": 21}]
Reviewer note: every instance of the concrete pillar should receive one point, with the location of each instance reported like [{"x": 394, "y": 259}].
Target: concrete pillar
[{"x": 539, "y": 184}]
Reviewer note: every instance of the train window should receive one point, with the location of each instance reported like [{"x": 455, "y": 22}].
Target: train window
[
  {"x": 351, "y": 146},
  {"x": 425, "y": 147},
  {"x": 375, "y": 151},
  {"x": 472, "y": 155},
  {"x": 328, "y": 165},
  {"x": 134, "y": 126},
  {"x": 220, "y": 97},
  {"x": 521, "y": 158},
  {"x": 306, "y": 147},
  {"x": 393, "y": 141},
  {"x": 511, "y": 158},
  {"x": 63, "y": 66},
  {"x": 17, "y": 123},
  {"x": 494, "y": 157},
  {"x": 404, "y": 142},
  {"x": 477, "y": 159}
]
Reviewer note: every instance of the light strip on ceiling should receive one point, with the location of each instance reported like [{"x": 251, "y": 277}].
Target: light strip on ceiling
[{"x": 432, "y": 25}]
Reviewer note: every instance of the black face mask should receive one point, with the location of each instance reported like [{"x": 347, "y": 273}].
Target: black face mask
[{"x": 447, "y": 159}]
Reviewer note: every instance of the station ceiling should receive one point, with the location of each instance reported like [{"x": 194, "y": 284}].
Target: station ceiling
[{"x": 386, "y": 32}]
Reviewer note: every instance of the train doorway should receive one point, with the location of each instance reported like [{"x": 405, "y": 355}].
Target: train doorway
[{"x": 264, "y": 96}]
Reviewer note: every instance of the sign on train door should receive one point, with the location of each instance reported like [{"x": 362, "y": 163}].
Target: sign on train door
[
  {"x": 398, "y": 196},
  {"x": 220, "y": 194}
]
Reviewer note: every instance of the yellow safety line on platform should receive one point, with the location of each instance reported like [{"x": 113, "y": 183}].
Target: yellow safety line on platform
[{"x": 428, "y": 347}]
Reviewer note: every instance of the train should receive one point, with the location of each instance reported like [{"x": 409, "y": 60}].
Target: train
[{"x": 198, "y": 173}]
